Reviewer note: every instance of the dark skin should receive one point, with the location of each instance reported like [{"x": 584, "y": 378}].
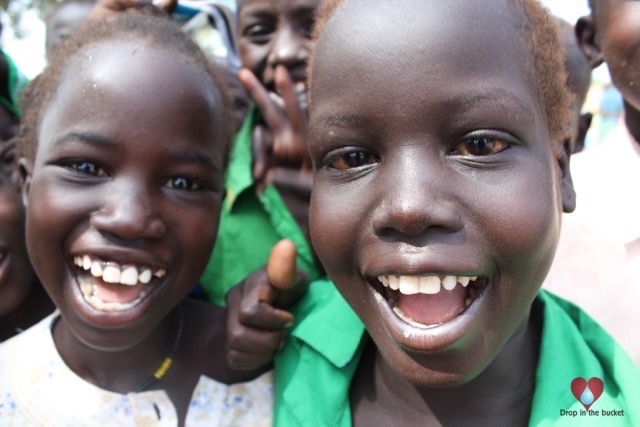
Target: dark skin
[
  {"x": 23, "y": 300},
  {"x": 275, "y": 42},
  {"x": 255, "y": 318},
  {"x": 611, "y": 34},
  {"x": 125, "y": 174},
  {"x": 459, "y": 179}
]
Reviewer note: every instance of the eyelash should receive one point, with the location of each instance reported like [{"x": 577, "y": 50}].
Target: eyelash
[
  {"x": 480, "y": 146},
  {"x": 258, "y": 33},
  {"x": 183, "y": 183},
  {"x": 86, "y": 167},
  {"x": 350, "y": 159}
]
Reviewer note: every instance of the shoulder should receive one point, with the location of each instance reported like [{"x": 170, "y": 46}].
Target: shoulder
[{"x": 574, "y": 346}]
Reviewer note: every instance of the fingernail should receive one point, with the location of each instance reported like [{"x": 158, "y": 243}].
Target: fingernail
[{"x": 288, "y": 325}]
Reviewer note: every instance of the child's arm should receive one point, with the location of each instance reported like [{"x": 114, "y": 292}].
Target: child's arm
[{"x": 256, "y": 323}]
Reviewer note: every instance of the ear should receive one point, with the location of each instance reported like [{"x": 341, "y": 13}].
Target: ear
[
  {"x": 25, "y": 169},
  {"x": 584, "y": 123},
  {"x": 586, "y": 32},
  {"x": 566, "y": 187}
]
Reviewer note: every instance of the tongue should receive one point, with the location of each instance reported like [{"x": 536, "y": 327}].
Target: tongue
[
  {"x": 434, "y": 309},
  {"x": 109, "y": 292}
]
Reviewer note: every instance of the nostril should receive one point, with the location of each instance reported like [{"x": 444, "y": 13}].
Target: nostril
[
  {"x": 414, "y": 219},
  {"x": 130, "y": 221}
]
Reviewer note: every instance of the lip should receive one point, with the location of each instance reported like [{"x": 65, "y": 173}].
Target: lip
[
  {"x": 120, "y": 318},
  {"x": 432, "y": 339}
]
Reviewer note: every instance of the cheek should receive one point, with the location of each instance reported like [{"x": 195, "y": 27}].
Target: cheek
[
  {"x": 197, "y": 229},
  {"x": 335, "y": 227},
  {"x": 523, "y": 226},
  {"x": 622, "y": 53},
  {"x": 251, "y": 55}
]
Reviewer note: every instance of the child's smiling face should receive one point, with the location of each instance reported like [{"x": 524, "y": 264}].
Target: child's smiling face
[
  {"x": 433, "y": 171},
  {"x": 276, "y": 32},
  {"x": 618, "y": 36},
  {"x": 125, "y": 187}
]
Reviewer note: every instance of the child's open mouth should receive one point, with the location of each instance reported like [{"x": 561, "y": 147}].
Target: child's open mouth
[
  {"x": 113, "y": 286},
  {"x": 300, "y": 88},
  {"x": 429, "y": 301}
]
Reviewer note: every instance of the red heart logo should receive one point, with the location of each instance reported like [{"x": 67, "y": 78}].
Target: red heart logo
[{"x": 587, "y": 392}]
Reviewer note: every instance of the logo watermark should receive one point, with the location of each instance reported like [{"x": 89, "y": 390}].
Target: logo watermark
[{"x": 587, "y": 393}]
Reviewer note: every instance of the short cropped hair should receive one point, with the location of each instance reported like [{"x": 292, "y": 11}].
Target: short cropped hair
[
  {"x": 146, "y": 26},
  {"x": 547, "y": 50}
]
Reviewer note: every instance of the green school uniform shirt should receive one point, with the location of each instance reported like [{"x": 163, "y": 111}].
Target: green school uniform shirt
[
  {"x": 13, "y": 86},
  {"x": 251, "y": 223},
  {"x": 315, "y": 368}
]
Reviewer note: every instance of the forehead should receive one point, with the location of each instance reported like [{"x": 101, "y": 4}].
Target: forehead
[
  {"x": 137, "y": 86},
  {"x": 251, "y": 7},
  {"x": 405, "y": 49}
]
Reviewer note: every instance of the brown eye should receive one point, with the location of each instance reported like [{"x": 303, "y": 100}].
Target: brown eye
[
  {"x": 480, "y": 147},
  {"x": 352, "y": 159}
]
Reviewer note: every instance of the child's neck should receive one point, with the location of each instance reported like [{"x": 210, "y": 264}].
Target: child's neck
[
  {"x": 120, "y": 371},
  {"x": 632, "y": 120},
  {"x": 500, "y": 395}
]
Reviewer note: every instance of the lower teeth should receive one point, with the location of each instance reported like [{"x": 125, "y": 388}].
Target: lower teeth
[
  {"x": 86, "y": 287},
  {"x": 412, "y": 322}
]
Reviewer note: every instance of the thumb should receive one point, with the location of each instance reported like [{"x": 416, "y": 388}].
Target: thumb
[{"x": 281, "y": 268}]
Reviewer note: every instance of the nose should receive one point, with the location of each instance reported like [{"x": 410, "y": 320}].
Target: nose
[
  {"x": 129, "y": 213},
  {"x": 415, "y": 204},
  {"x": 289, "y": 48}
]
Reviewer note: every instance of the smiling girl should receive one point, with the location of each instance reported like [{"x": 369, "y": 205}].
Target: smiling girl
[{"x": 123, "y": 145}]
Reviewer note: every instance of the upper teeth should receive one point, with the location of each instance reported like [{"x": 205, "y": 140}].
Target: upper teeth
[
  {"x": 111, "y": 272},
  {"x": 300, "y": 87},
  {"x": 411, "y": 285}
]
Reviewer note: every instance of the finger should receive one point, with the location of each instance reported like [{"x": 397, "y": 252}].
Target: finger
[
  {"x": 255, "y": 341},
  {"x": 261, "y": 145},
  {"x": 286, "y": 88},
  {"x": 281, "y": 267},
  {"x": 264, "y": 316},
  {"x": 166, "y": 5},
  {"x": 241, "y": 361},
  {"x": 272, "y": 113},
  {"x": 255, "y": 307}
]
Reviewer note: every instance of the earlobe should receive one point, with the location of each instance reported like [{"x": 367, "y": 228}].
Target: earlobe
[
  {"x": 566, "y": 188},
  {"x": 25, "y": 170},
  {"x": 586, "y": 34}
]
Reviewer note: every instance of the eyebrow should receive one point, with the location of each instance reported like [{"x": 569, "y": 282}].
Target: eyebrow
[
  {"x": 263, "y": 12},
  {"x": 100, "y": 141},
  {"x": 88, "y": 137},
  {"x": 497, "y": 95},
  {"x": 463, "y": 101},
  {"x": 195, "y": 157}
]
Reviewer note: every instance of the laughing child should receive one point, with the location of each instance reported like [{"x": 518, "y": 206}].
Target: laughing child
[
  {"x": 269, "y": 176},
  {"x": 123, "y": 144},
  {"x": 440, "y": 135}
]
